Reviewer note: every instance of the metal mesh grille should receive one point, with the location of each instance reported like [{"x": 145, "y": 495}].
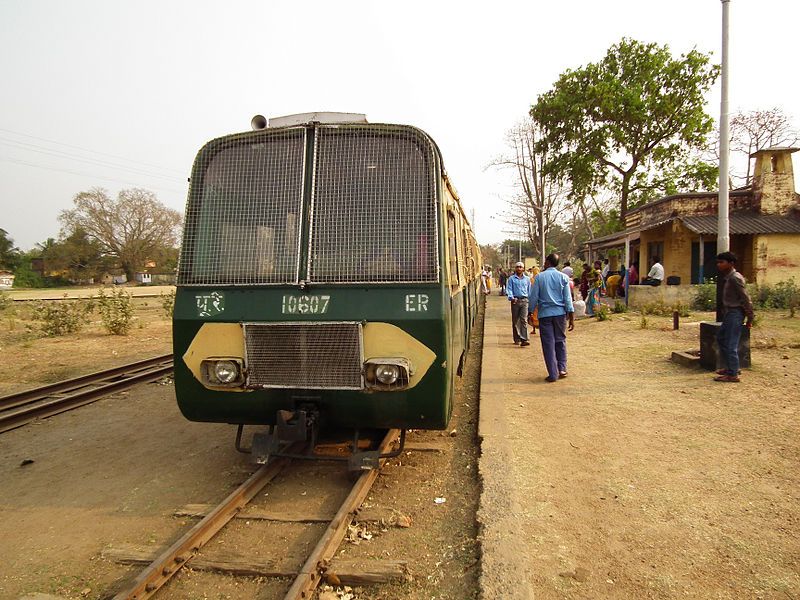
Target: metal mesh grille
[
  {"x": 374, "y": 207},
  {"x": 243, "y": 213},
  {"x": 304, "y": 355}
]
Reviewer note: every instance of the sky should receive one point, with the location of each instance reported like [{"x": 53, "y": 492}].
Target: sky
[{"x": 123, "y": 94}]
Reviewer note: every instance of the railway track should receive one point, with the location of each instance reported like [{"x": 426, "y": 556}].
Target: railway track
[
  {"x": 315, "y": 568},
  {"x": 39, "y": 403}
]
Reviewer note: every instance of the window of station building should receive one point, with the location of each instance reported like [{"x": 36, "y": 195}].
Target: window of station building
[{"x": 654, "y": 249}]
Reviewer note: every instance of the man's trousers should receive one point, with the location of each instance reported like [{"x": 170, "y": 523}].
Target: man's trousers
[{"x": 553, "y": 333}]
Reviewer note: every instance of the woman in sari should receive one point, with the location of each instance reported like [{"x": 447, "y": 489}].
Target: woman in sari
[
  {"x": 598, "y": 266},
  {"x": 595, "y": 285},
  {"x": 533, "y": 318},
  {"x": 584, "y": 287}
]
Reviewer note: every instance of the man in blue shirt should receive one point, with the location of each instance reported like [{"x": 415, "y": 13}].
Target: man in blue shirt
[
  {"x": 518, "y": 288},
  {"x": 552, "y": 295}
]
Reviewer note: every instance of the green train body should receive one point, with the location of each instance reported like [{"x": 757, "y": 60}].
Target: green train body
[{"x": 324, "y": 265}]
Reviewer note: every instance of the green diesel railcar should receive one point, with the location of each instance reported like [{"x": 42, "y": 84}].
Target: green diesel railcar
[{"x": 327, "y": 267}]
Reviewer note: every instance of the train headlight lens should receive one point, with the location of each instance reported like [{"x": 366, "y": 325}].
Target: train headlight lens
[
  {"x": 387, "y": 374},
  {"x": 226, "y": 371}
]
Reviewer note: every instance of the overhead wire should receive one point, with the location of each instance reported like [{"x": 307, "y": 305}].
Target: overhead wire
[
  {"x": 127, "y": 169},
  {"x": 137, "y": 184},
  {"x": 59, "y": 154},
  {"x": 41, "y": 139}
]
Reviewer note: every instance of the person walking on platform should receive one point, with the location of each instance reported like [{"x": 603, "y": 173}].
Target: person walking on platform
[
  {"x": 533, "y": 319},
  {"x": 552, "y": 296},
  {"x": 502, "y": 279},
  {"x": 518, "y": 289},
  {"x": 736, "y": 306}
]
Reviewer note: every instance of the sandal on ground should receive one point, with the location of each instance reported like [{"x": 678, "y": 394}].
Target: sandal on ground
[{"x": 728, "y": 378}]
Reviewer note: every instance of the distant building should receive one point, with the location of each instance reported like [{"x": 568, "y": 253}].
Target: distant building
[
  {"x": 113, "y": 278},
  {"x": 681, "y": 230},
  {"x": 6, "y": 280}
]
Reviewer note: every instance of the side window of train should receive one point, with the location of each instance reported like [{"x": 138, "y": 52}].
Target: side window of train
[
  {"x": 452, "y": 249},
  {"x": 467, "y": 253}
]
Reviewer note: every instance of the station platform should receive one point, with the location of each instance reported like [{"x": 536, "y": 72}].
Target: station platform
[
  {"x": 546, "y": 461},
  {"x": 633, "y": 477},
  {"x": 506, "y": 390}
]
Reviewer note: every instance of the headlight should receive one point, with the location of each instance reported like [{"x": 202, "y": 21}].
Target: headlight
[
  {"x": 387, "y": 374},
  {"x": 225, "y": 372}
]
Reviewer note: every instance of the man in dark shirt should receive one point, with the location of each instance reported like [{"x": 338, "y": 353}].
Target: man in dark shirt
[{"x": 736, "y": 306}]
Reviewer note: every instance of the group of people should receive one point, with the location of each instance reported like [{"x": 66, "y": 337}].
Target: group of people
[{"x": 545, "y": 301}]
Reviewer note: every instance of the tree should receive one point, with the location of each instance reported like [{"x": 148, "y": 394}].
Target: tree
[
  {"x": 759, "y": 129},
  {"x": 131, "y": 228},
  {"x": 542, "y": 197},
  {"x": 629, "y": 122},
  {"x": 9, "y": 253},
  {"x": 76, "y": 256},
  {"x": 490, "y": 255}
]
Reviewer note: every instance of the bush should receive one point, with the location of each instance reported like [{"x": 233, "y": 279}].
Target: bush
[
  {"x": 683, "y": 309},
  {"x": 168, "y": 303},
  {"x": 784, "y": 294},
  {"x": 619, "y": 307},
  {"x": 661, "y": 309},
  {"x": 24, "y": 277},
  {"x": 116, "y": 311},
  {"x": 5, "y": 301},
  {"x": 61, "y": 317},
  {"x": 643, "y": 323},
  {"x": 602, "y": 313},
  {"x": 706, "y": 296}
]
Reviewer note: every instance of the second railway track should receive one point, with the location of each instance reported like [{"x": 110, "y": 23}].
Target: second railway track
[{"x": 21, "y": 408}]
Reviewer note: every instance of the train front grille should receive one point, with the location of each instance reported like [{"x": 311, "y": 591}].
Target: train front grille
[{"x": 304, "y": 355}]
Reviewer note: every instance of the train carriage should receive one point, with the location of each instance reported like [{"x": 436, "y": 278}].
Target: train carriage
[{"x": 327, "y": 270}]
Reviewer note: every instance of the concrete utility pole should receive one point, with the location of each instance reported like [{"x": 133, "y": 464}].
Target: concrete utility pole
[
  {"x": 723, "y": 231},
  {"x": 723, "y": 226}
]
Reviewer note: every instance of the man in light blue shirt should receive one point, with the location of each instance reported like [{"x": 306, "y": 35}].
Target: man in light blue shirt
[
  {"x": 518, "y": 288},
  {"x": 552, "y": 295}
]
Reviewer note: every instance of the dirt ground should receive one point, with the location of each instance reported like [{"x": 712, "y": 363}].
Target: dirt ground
[
  {"x": 638, "y": 478},
  {"x": 31, "y": 359},
  {"x": 643, "y": 479}
]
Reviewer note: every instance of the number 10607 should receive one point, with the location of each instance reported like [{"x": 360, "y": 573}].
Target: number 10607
[{"x": 311, "y": 305}]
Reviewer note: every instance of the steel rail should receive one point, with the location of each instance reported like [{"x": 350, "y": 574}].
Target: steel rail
[
  {"x": 309, "y": 577},
  {"x": 21, "y": 408},
  {"x": 171, "y": 560}
]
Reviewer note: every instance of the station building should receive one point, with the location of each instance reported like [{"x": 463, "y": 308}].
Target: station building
[{"x": 764, "y": 224}]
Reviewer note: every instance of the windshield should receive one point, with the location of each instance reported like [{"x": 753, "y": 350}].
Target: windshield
[
  {"x": 372, "y": 209},
  {"x": 243, "y": 215}
]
